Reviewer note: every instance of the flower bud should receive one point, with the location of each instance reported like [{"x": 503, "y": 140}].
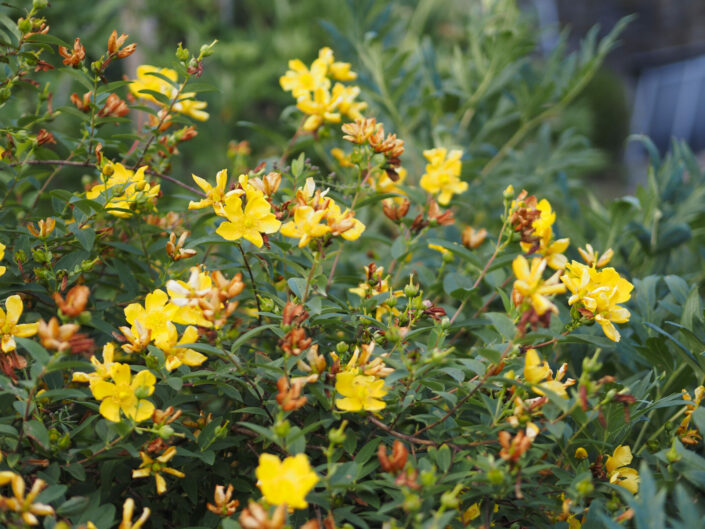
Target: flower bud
[
  {"x": 341, "y": 347},
  {"x": 672, "y": 455},
  {"x": 24, "y": 25},
  {"x": 39, "y": 4},
  {"x": 495, "y": 476},
  {"x": 281, "y": 429},
  {"x": 182, "y": 53},
  {"x": 585, "y": 487},
  {"x": 581, "y": 453},
  {"x": 412, "y": 503}
]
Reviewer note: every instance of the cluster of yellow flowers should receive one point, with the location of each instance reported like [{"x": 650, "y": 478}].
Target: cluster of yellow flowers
[
  {"x": 316, "y": 215},
  {"x": 147, "y": 81},
  {"x": 312, "y": 89},
  {"x": 596, "y": 294},
  {"x": 124, "y": 190}
]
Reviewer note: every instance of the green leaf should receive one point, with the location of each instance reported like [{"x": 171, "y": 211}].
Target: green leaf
[
  {"x": 73, "y": 506},
  {"x": 458, "y": 286},
  {"x": 503, "y": 323},
  {"x": 38, "y": 352},
  {"x": 37, "y": 431}
]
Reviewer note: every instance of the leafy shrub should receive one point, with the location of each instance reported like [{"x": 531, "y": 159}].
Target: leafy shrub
[{"x": 381, "y": 322}]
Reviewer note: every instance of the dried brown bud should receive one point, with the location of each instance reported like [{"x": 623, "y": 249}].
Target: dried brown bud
[
  {"x": 473, "y": 238},
  {"x": 56, "y": 337},
  {"x": 399, "y": 457},
  {"x": 289, "y": 396},
  {"x": 45, "y": 136},
  {"x": 254, "y": 516},
  {"x": 75, "y": 302},
  {"x": 114, "y": 107},
  {"x": 293, "y": 314},
  {"x": 76, "y": 56},
  {"x": 395, "y": 211},
  {"x": 224, "y": 506}
]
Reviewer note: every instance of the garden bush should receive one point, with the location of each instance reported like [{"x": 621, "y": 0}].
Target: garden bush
[{"x": 397, "y": 306}]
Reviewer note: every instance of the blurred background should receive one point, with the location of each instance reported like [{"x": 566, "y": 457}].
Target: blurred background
[{"x": 651, "y": 84}]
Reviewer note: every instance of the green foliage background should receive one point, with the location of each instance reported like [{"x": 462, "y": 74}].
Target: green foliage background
[{"x": 458, "y": 74}]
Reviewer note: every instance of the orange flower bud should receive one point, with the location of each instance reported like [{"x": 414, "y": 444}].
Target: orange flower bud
[
  {"x": 76, "y": 56},
  {"x": 75, "y": 302}
]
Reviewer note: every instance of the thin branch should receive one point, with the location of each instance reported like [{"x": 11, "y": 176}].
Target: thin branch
[{"x": 252, "y": 280}]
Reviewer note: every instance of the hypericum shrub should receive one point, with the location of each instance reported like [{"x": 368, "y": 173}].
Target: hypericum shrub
[{"x": 368, "y": 328}]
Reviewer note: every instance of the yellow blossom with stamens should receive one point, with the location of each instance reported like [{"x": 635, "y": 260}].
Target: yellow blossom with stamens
[
  {"x": 155, "y": 467},
  {"x": 442, "y": 176},
  {"x": 125, "y": 394},
  {"x": 249, "y": 223},
  {"x": 531, "y": 287},
  {"x": 138, "y": 337},
  {"x": 360, "y": 392},
  {"x": 343, "y": 223},
  {"x": 214, "y": 194},
  {"x": 344, "y": 96},
  {"x": 9, "y": 328},
  {"x": 21, "y": 503},
  {"x": 619, "y": 473},
  {"x": 321, "y": 108},
  {"x": 153, "y": 316},
  {"x": 124, "y": 189},
  {"x": 691, "y": 436},
  {"x": 306, "y": 225},
  {"x": 175, "y": 355},
  {"x": 188, "y": 296},
  {"x": 285, "y": 482},
  {"x": 300, "y": 80}
]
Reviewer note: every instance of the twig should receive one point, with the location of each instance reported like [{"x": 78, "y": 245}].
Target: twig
[
  {"x": 252, "y": 280},
  {"x": 90, "y": 164}
]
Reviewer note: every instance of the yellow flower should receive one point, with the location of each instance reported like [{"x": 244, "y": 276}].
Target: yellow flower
[
  {"x": 360, "y": 392},
  {"x": 2, "y": 256},
  {"x": 189, "y": 106},
  {"x": 306, "y": 225},
  {"x": 540, "y": 374},
  {"x": 154, "y": 467},
  {"x": 384, "y": 184},
  {"x": 285, "y": 482},
  {"x": 543, "y": 231},
  {"x": 187, "y": 297},
  {"x": 9, "y": 328},
  {"x": 343, "y": 223},
  {"x": 101, "y": 369},
  {"x": 250, "y": 223},
  {"x": 530, "y": 286},
  {"x": 299, "y": 80},
  {"x": 581, "y": 453},
  {"x": 214, "y": 195},
  {"x": 320, "y": 108},
  {"x": 146, "y": 81},
  {"x": 175, "y": 355},
  {"x": 125, "y": 393},
  {"x": 127, "y": 509},
  {"x": 128, "y": 189},
  {"x": 599, "y": 293},
  {"x": 345, "y": 99},
  {"x": 153, "y": 316},
  {"x": 442, "y": 176},
  {"x": 342, "y": 158},
  {"x": 595, "y": 259},
  {"x": 22, "y": 504},
  {"x": 690, "y": 436},
  {"x": 619, "y": 473}
]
